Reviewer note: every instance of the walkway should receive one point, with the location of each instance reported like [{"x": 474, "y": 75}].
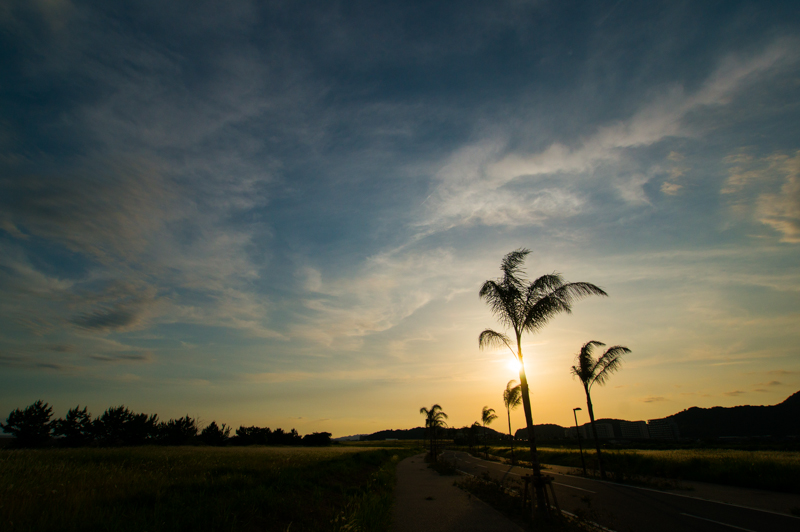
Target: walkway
[{"x": 425, "y": 500}]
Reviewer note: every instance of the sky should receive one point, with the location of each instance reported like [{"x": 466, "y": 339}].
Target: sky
[{"x": 281, "y": 213}]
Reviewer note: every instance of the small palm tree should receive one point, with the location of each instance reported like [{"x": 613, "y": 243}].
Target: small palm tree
[
  {"x": 434, "y": 418},
  {"x": 512, "y": 397},
  {"x": 487, "y": 416},
  {"x": 591, "y": 371},
  {"x": 525, "y": 306}
]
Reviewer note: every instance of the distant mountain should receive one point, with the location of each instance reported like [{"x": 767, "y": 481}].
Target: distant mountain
[
  {"x": 718, "y": 422},
  {"x": 417, "y": 433},
  {"x": 547, "y": 431},
  {"x": 746, "y": 421},
  {"x": 354, "y": 437}
]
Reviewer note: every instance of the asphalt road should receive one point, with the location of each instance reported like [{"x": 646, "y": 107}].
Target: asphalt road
[{"x": 624, "y": 508}]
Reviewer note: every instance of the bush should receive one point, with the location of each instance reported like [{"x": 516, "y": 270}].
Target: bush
[{"x": 31, "y": 426}]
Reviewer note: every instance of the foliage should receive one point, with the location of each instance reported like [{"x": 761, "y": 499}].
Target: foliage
[
  {"x": 506, "y": 498},
  {"x": 512, "y": 398},
  {"x": 177, "y": 431},
  {"x": 120, "y": 426},
  {"x": 317, "y": 439},
  {"x": 527, "y": 306},
  {"x": 31, "y": 426},
  {"x": 195, "y": 488},
  {"x": 76, "y": 428},
  {"x": 213, "y": 434},
  {"x": 591, "y": 371},
  {"x": 761, "y": 469},
  {"x": 434, "y": 420}
]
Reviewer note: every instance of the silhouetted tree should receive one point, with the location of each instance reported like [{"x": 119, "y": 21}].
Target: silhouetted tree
[
  {"x": 120, "y": 426},
  {"x": 591, "y": 371},
  {"x": 317, "y": 439},
  {"x": 512, "y": 397},
  {"x": 524, "y": 306},
  {"x": 473, "y": 434},
  {"x": 434, "y": 418},
  {"x": 31, "y": 426},
  {"x": 76, "y": 428},
  {"x": 179, "y": 431},
  {"x": 215, "y": 435},
  {"x": 252, "y": 436},
  {"x": 487, "y": 416}
]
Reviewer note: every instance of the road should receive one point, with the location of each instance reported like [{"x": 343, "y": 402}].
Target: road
[{"x": 623, "y": 508}]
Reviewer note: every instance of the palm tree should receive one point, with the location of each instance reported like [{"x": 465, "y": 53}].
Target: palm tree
[
  {"x": 591, "y": 371},
  {"x": 487, "y": 416},
  {"x": 512, "y": 397},
  {"x": 525, "y": 306},
  {"x": 434, "y": 418}
]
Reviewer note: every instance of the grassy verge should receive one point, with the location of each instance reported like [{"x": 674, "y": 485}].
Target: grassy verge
[
  {"x": 769, "y": 470},
  {"x": 506, "y": 498},
  {"x": 198, "y": 489}
]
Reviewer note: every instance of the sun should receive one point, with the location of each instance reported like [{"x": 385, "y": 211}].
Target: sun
[{"x": 514, "y": 365}]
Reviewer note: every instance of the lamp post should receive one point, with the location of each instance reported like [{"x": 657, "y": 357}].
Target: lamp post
[{"x": 578, "y": 433}]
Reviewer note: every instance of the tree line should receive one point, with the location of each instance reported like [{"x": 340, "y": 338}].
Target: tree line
[{"x": 33, "y": 427}]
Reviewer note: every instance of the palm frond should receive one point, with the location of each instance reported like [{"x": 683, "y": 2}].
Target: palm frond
[
  {"x": 586, "y": 365},
  {"x": 490, "y": 338},
  {"x": 512, "y": 265},
  {"x": 608, "y": 363},
  {"x": 503, "y": 300},
  {"x": 488, "y": 415},
  {"x": 512, "y": 395}
]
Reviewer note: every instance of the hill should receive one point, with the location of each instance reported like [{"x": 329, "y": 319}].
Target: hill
[{"x": 745, "y": 421}]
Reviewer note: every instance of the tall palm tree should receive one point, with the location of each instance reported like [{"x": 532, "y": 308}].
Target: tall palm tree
[
  {"x": 512, "y": 397},
  {"x": 591, "y": 371},
  {"x": 487, "y": 416},
  {"x": 525, "y": 306},
  {"x": 434, "y": 418}
]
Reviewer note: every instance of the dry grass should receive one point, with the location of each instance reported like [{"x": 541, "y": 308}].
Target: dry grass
[{"x": 194, "y": 488}]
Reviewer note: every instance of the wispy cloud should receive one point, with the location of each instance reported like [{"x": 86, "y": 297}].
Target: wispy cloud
[
  {"x": 488, "y": 183},
  {"x": 734, "y": 393},
  {"x": 653, "y": 399}
]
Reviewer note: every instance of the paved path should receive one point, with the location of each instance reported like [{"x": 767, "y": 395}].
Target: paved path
[
  {"x": 426, "y": 501},
  {"x": 708, "y": 508}
]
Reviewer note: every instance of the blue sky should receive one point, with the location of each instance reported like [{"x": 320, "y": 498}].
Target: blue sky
[{"x": 280, "y": 213}]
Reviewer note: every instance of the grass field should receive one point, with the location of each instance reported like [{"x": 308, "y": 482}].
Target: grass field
[
  {"x": 770, "y": 470},
  {"x": 198, "y": 488}
]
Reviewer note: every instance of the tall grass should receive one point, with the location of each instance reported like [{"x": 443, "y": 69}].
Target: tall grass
[
  {"x": 197, "y": 488},
  {"x": 769, "y": 470}
]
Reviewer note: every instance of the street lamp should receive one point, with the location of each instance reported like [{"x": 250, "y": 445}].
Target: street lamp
[{"x": 578, "y": 433}]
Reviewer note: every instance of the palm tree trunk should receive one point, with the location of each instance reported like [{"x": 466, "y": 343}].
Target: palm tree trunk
[
  {"x": 594, "y": 431},
  {"x": 508, "y": 411},
  {"x": 538, "y": 486}
]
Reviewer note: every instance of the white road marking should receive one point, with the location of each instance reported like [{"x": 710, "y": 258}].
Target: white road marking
[
  {"x": 573, "y": 487},
  {"x": 719, "y": 523},
  {"x": 681, "y": 495}
]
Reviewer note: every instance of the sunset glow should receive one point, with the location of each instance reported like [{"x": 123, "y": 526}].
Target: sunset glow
[{"x": 281, "y": 215}]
